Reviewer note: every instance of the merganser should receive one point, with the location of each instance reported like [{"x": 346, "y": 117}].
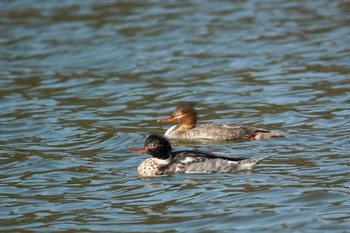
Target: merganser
[
  {"x": 165, "y": 161},
  {"x": 186, "y": 116}
]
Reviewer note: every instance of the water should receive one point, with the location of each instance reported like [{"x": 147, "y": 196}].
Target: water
[{"x": 83, "y": 81}]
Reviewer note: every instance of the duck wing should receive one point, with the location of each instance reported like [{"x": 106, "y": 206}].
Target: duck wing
[
  {"x": 221, "y": 132},
  {"x": 203, "y": 162}
]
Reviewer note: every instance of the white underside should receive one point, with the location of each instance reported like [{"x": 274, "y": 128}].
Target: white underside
[{"x": 169, "y": 131}]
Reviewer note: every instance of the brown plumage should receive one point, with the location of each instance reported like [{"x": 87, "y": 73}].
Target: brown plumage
[{"x": 186, "y": 117}]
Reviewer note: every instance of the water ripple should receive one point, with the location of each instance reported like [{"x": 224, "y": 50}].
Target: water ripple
[{"x": 82, "y": 82}]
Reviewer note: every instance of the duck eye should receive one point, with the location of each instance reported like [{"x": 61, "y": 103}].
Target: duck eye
[{"x": 180, "y": 115}]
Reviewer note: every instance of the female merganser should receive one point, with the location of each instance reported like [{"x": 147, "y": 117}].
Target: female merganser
[
  {"x": 186, "y": 116},
  {"x": 165, "y": 161}
]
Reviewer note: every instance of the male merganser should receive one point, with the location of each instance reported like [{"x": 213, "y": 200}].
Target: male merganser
[
  {"x": 186, "y": 116},
  {"x": 165, "y": 161}
]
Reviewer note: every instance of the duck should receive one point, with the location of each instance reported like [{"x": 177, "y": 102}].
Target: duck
[
  {"x": 165, "y": 161},
  {"x": 187, "y": 129}
]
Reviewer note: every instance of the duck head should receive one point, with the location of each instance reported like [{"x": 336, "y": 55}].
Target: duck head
[
  {"x": 157, "y": 146},
  {"x": 184, "y": 114}
]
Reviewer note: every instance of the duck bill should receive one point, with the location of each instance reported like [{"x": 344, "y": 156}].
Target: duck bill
[
  {"x": 170, "y": 119},
  {"x": 141, "y": 151}
]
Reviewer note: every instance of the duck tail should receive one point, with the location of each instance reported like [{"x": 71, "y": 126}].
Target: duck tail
[
  {"x": 263, "y": 135},
  {"x": 249, "y": 163}
]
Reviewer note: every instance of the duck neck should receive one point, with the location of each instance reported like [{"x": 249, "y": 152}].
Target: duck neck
[
  {"x": 185, "y": 127},
  {"x": 187, "y": 122},
  {"x": 163, "y": 162}
]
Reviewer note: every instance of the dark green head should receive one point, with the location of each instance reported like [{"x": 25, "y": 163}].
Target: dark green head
[{"x": 158, "y": 146}]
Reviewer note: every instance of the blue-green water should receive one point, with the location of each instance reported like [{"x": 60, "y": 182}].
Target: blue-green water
[{"x": 83, "y": 81}]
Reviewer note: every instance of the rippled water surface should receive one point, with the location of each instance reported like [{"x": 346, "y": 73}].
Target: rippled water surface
[{"x": 83, "y": 81}]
